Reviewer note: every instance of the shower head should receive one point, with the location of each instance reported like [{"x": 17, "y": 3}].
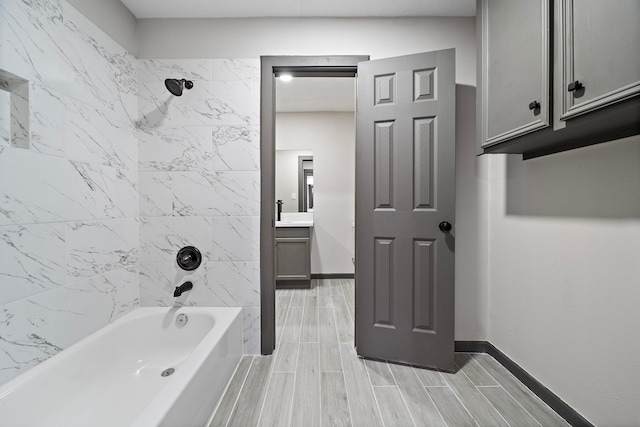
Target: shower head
[{"x": 175, "y": 85}]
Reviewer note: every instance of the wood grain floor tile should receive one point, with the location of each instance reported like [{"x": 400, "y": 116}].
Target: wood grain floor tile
[
  {"x": 513, "y": 412},
  {"x": 334, "y": 403},
  {"x": 306, "y": 400},
  {"x": 393, "y": 410},
  {"x": 424, "y": 411},
  {"x": 379, "y": 373},
  {"x": 473, "y": 371},
  {"x": 277, "y": 404},
  {"x": 228, "y": 401},
  {"x": 364, "y": 410},
  {"x": 449, "y": 406},
  {"x": 249, "y": 404}
]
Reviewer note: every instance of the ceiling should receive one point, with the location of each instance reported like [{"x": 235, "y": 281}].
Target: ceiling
[
  {"x": 298, "y": 8},
  {"x": 303, "y": 94}
]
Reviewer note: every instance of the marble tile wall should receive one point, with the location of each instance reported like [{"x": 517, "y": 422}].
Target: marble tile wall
[
  {"x": 199, "y": 180},
  {"x": 69, "y": 232}
]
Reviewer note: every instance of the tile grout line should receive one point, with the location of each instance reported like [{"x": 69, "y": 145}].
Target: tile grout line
[
  {"x": 464, "y": 406},
  {"x": 295, "y": 373},
  {"x": 375, "y": 399},
  {"x": 402, "y": 394},
  {"x": 244, "y": 381},
  {"x": 485, "y": 397},
  {"x": 264, "y": 400},
  {"x": 516, "y": 400}
]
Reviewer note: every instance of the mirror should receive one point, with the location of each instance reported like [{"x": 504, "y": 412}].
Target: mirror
[{"x": 294, "y": 180}]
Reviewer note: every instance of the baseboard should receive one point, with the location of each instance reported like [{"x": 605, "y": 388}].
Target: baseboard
[
  {"x": 333, "y": 276},
  {"x": 547, "y": 396}
]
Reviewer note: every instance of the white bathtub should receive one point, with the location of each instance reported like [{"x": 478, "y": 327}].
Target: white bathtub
[{"x": 112, "y": 378}]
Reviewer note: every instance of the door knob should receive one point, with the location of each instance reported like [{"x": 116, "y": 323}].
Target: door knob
[
  {"x": 574, "y": 86},
  {"x": 534, "y": 105},
  {"x": 444, "y": 226}
]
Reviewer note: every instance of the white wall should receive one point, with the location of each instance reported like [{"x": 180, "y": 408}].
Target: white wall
[
  {"x": 332, "y": 138},
  {"x": 564, "y": 274},
  {"x": 250, "y": 38},
  {"x": 68, "y": 224}
]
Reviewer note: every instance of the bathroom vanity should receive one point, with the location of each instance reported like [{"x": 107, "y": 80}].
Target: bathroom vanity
[{"x": 293, "y": 254}]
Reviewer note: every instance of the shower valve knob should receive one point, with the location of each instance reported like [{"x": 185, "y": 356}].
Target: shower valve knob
[{"x": 189, "y": 258}]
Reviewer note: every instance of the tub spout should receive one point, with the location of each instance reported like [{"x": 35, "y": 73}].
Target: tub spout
[{"x": 186, "y": 286}]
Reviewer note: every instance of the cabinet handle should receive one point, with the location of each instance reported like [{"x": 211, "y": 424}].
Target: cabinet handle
[
  {"x": 574, "y": 86},
  {"x": 534, "y": 105}
]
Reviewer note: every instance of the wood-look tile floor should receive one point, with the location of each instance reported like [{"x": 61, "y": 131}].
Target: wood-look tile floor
[{"x": 314, "y": 378}]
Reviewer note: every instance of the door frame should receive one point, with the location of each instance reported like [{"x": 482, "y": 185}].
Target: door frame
[{"x": 270, "y": 67}]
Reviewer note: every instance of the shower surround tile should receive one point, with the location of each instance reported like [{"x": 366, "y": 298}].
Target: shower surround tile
[
  {"x": 157, "y": 70},
  {"x": 156, "y": 194},
  {"x": 96, "y": 191},
  {"x": 90, "y": 137},
  {"x": 236, "y": 148},
  {"x": 69, "y": 237},
  {"x": 199, "y": 160},
  {"x": 175, "y": 149},
  {"x": 161, "y": 238},
  {"x": 236, "y": 238},
  {"x": 32, "y": 260},
  {"x": 236, "y": 69},
  {"x": 36, "y": 328},
  {"x": 216, "y": 193},
  {"x": 96, "y": 247},
  {"x": 33, "y": 187}
]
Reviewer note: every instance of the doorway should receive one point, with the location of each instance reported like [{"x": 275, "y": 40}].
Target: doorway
[
  {"x": 405, "y": 198},
  {"x": 272, "y": 67}
]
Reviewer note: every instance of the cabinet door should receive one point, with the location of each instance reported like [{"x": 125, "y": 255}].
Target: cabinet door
[
  {"x": 293, "y": 260},
  {"x": 515, "y": 68},
  {"x": 601, "y": 52}
]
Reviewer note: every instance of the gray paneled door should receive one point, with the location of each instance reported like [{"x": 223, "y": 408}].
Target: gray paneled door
[{"x": 405, "y": 188}]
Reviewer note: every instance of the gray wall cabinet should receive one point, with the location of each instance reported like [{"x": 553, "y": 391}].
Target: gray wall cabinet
[
  {"x": 587, "y": 48},
  {"x": 293, "y": 257}
]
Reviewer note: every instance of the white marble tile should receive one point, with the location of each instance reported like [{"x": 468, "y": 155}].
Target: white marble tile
[
  {"x": 91, "y": 137},
  {"x": 216, "y": 193},
  {"x": 175, "y": 149},
  {"x": 251, "y": 329},
  {"x": 32, "y": 260},
  {"x": 233, "y": 283},
  {"x": 96, "y": 191},
  {"x": 30, "y": 38},
  {"x": 47, "y": 120},
  {"x": 236, "y": 238},
  {"x": 154, "y": 101},
  {"x": 156, "y": 194},
  {"x": 20, "y": 131},
  {"x": 31, "y": 185},
  {"x": 95, "y": 247},
  {"x": 5, "y": 115},
  {"x": 157, "y": 70},
  {"x": 39, "y": 327},
  {"x": 236, "y": 69},
  {"x": 104, "y": 73},
  {"x": 255, "y": 103},
  {"x": 214, "y": 103},
  {"x": 236, "y": 148},
  {"x": 162, "y": 238},
  {"x": 159, "y": 279}
]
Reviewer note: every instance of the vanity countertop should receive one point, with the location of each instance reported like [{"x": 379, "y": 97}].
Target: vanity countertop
[{"x": 301, "y": 223}]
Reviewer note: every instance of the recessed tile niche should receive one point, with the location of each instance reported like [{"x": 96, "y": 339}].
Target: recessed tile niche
[{"x": 14, "y": 110}]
